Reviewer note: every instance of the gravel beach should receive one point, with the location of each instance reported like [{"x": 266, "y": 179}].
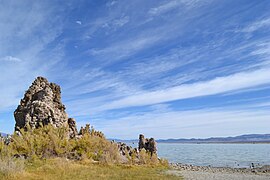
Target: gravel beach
[{"x": 190, "y": 172}]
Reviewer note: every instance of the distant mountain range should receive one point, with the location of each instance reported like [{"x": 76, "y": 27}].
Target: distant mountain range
[
  {"x": 248, "y": 138},
  {"x": 3, "y": 134}
]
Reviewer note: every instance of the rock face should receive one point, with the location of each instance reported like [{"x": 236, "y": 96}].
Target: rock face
[
  {"x": 42, "y": 105},
  {"x": 147, "y": 144}
]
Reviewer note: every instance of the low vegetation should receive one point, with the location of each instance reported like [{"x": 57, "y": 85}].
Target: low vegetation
[
  {"x": 48, "y": 153},
  {"x": 59, "y": 168}
]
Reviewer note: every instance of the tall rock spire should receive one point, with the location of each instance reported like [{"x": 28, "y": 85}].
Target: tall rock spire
[{"x": 42, "y": 105}]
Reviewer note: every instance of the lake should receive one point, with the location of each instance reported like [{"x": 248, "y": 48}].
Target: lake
[
  {"x": 217, "y": 155},
  {"x": 231, "y": 155}
]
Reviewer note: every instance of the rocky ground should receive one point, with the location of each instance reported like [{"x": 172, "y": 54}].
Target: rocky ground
[{"x": 191, "y": 172}]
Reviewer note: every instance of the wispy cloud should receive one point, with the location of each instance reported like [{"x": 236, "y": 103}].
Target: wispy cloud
[
  {"x": 125, "y": 48},
  {"x": 212, "y": 87},
  {"x": 10, "y": 59},
  {"x": 185, "y": 124},
  {"x": 117, "y": 23},
  {"x": 263, "y": 23},
  {"x": 171, "y": 5}
]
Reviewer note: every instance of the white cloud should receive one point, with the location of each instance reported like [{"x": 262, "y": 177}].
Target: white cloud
[
  {"x": 124, "y": 48},
  {"x": 257, "y": 25},
  {"x": 185, "y": 124},
  {"x": 171, "y": 5},
  {"x": 121, "y": 22},
  {"x": 111, "y": 3},
  {"x": 10, "y": 59},
  {"x": 164, "y": 8},
  {"x": 216, "y": 86},
  {"x": 79, "y": 22},
  {"x": 262, "y": 49},
  {"x": 114, "y": 24}
]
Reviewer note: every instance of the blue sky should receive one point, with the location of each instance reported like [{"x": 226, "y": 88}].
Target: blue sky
[{"x": 168, "y": 69}]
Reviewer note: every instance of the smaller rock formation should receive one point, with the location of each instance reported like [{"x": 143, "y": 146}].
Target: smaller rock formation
[
  {"x": 149, "y": 145},
  {"x": 72, "y": 129},
  {"x": 90, "y": 131},
  {"x": 126, "y": 150},
  {"x": 85, "y": 130}
]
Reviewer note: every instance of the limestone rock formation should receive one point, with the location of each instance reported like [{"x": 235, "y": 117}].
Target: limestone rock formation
[
  {"x": 42, "y": 105},
  {"x": 147, "y": 144},
  {"x": 73, "y": 132},
  {"x": 126, "y": 151}
]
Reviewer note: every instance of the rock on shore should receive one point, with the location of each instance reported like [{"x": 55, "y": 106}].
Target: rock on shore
[{"x": 147, "y": 144}]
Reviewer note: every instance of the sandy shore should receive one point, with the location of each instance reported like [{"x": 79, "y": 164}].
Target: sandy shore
[{"x": 191, "y": 172}]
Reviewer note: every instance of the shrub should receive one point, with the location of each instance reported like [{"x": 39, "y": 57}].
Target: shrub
[
  {"x": 42, "y": 142},
  {"x": 48, "y": 142},
  {"x": 145, "y": 157}
]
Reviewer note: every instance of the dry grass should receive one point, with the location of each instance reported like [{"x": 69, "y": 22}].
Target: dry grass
[
  {"x": 55, "y": 169},
  {"x": 51, "y": 155},
  {"x": 9, "y": 166}
]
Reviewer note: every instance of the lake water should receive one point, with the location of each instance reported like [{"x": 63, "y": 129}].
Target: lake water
[
  {"x": 232, "y": 155},
  {"x": 218, "y": 155}
]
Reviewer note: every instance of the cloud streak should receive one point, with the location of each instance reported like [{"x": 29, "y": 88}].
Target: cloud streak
[
  {"x": 10, "y": 59},
  {"x": 186, "y": 124},
  {"x": 216, "y": 86}
]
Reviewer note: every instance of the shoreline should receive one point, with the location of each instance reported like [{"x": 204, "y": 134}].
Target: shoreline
[
  {"x": 192, "y": 172},
  {"x": 265, "y": 169},
  {"x": 213, "y": 142}
]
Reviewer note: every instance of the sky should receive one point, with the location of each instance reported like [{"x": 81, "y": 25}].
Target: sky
[{"x": 167, "y": 69}]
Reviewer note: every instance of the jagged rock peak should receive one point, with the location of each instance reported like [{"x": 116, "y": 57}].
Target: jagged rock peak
[{"x": 42, "y": 105}]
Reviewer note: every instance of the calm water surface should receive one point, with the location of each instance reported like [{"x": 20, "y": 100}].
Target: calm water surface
[
  {"x": 232, "y": 155},
  {"x": 217, "y": 155}
]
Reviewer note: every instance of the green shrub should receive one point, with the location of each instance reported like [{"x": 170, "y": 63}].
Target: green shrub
[
  {"x": 146, "y": 158},
  {"x": 41, "y": 143},
  {"x": 49, "y": 142}
]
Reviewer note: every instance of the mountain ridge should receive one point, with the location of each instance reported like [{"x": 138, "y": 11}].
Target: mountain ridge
[
  {"x": 245, "y": 138},
  {"x": 3, "y": 134}
]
